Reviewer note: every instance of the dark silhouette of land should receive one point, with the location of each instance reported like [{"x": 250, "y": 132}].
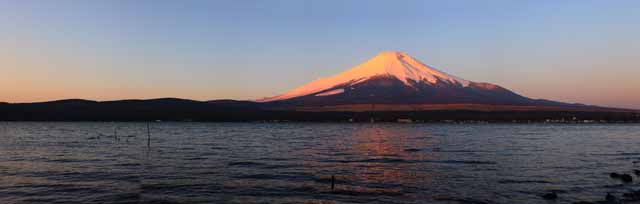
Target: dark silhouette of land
[{"x": 172, "y": 109}]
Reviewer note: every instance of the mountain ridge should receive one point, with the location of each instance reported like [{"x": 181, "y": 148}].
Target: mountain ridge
[{"x": 247, "y": 111}]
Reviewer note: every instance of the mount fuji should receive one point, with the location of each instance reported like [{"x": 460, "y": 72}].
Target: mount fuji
[{"x": 397, "y": 81}]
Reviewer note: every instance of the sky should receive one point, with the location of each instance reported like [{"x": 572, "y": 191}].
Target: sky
[{"x": 573, "y": 51}]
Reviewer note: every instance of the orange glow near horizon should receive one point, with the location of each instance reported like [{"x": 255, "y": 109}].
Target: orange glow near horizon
[{"x": 575, "y": 52}]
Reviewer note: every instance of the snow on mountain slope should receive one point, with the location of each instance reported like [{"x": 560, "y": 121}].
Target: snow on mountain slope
[{"x": 396, "y": 64}]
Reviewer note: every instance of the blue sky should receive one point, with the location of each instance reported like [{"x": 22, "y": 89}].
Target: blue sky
[{"x": 575, "y": 51}]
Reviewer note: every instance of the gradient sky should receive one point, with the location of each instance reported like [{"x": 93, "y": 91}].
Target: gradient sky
[{"x": 573, "y": 51}]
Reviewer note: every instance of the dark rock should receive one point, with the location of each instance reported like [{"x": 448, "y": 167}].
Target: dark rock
[
  {"x": 550, "y": 196},
  {"x": 636, "y": 172},
  {"x": 614, "y": 175},
  {"x": 583, "y": 202},
  {"x": 623, "y": 177},
  {"x": 632, "y": 196},
  {"x": 626, "y": 178},
  {"x": 610, "y": 197}
]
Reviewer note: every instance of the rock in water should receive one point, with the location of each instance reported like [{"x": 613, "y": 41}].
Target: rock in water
[
  {"x": 582, "y": 202},
  {"x": 610, "y": 198},
  {"x": 614, "y": 175},
  {"x": 626, "y": 178},
  {"x": 550, "y": 196},
  {"x": 632, "y": 196}
]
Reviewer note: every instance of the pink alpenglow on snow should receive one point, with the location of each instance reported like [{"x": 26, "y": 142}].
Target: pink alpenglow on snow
[
  {"x": 396, "y": 64},
  {"x": 395, "y": 78}
]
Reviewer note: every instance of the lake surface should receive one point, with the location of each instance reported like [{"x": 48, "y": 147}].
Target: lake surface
[{"x": 294, "y": 162}]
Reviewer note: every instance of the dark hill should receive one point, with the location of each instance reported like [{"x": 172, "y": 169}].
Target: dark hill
[{"x": 171, "y": 109}]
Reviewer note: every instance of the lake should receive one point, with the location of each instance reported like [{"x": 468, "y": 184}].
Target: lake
[{"x": 68, "y": 162}]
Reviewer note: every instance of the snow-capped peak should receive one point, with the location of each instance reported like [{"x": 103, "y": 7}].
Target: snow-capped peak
[{"x": 397, "y": 64}]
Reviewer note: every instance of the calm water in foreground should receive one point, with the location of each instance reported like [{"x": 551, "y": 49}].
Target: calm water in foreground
[{"x": 294, "y": 162}]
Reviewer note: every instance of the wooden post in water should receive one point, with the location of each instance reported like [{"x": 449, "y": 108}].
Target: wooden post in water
[
  {"x": 148, "y": 136},
  {"x": 115, "y": 133},
  {"x": 333, "y": 182}
]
